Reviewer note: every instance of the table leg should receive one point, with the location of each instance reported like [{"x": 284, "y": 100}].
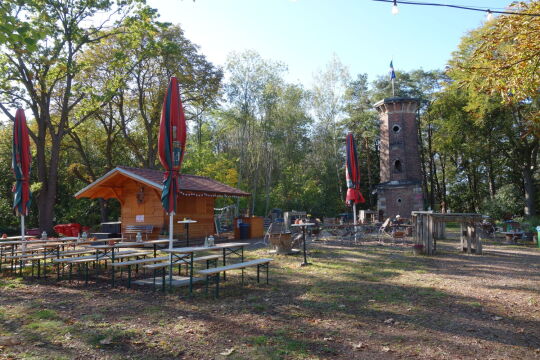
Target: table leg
[
  {"x": 45, "y": 264},
  {"x": 170, "y": 271},
  {"x": 224, "y": 264},
  {"x": 217, "y": 285},
  {"x": 163, "y": 279},
  {"x": 191, "y": 274},
  {"x": 305, "y": 256},
  {"x": 12, "y": 260},
  {"x": 187, "y": 234},
  {"x": 112, "y": 267},
  {"x": 58, "y": 265}
]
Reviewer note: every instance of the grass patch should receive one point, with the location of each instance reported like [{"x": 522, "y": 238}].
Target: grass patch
[
  {"x": 104, "y": 337},
  {"x": 14, "y": 283},
  {"x": 45, "y": 314},
  {"x": 45, "y": 330},
  {"x": 257, "y": 340},
  {"x": 94, "y": 317},
  {"x": 475, "y": 304}
]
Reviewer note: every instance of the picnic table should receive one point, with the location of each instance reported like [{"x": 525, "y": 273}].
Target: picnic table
[
  {"x": 186, "y": 225},
  {"x": 513, "y": 236},
  {"x": 184, "y": 255},
  {"x": 107, "y": 251},
  {"x": 304, "y": 226},
  {"x": 158, "y": 242}
]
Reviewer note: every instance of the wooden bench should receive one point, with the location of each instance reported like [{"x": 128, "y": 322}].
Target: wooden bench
[
  {"x": 93, "y": 257},
  {"x": 137, "y": 263},
  {"x": 132, "y": 254},
  {"x": 143, "y": 229},
  {"x": 215, "y": 272},
  {"x": 163, "y": 265},
  {"x": 78, "y": 260},
  {"x": 207, "y": 258}
]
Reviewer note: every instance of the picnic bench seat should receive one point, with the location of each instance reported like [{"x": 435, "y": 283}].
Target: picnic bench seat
[
  {"x": 197, "y": 259},
  {"x": 92, "y": 257},
  {"x": 215, "y": 272},
  {"x": 163, "y": 265},
  {"x": 16, "y": 253},
  {"x": 139, "y": 261},
  {"x": 48, "y": 256},
  {"x": 131, "y": 254}
]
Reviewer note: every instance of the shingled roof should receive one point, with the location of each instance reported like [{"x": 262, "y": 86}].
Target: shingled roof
[{"x": 154, "y": 178}]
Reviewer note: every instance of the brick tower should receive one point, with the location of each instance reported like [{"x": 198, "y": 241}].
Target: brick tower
[{"x": 400, "y": 190}]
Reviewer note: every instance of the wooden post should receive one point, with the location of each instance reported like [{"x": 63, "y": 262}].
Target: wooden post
[
  {"x": 442, "y": 230},
  {"x": 429, "y": 237},
  {"x": 461, "y": 237},
  {"x": 470, "y": 234},
  {"x": 478, "y": 241}
]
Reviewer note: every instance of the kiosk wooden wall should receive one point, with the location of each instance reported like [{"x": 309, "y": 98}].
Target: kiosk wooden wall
[{"x": 199, "y": 208}]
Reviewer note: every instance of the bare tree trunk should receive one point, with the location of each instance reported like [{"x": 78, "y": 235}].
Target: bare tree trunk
[
  {"x": 444, "y": 202},
  {"x": 268, "y": 182}
]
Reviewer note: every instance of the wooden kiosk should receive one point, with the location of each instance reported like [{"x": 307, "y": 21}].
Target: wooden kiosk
[
  {"x": 429, "y": 226},
  {"x": 139, "y": 194}
]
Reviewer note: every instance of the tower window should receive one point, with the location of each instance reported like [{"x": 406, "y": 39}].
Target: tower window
[
  {"x": 396, "y": 128},
  {"x": 399, "y": 200},
  {"x": 397, "y": 166}
]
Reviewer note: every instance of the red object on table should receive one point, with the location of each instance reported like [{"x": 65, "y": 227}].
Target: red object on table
[{"x": 71, "y": 229}]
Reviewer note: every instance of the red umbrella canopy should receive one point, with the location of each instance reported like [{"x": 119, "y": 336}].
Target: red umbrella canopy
[
  {"x": 352, "y": 173},
  {"x": 171, "y": 144},
  {"x": 21, "y": 165}
]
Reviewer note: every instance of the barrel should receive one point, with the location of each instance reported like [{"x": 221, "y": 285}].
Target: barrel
[{"x": 244, "y": 231}]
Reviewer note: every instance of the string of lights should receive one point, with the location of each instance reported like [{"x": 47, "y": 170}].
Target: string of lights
[
  {"x": 489, "y": 12},
  {"x": 203, "y": 194}
]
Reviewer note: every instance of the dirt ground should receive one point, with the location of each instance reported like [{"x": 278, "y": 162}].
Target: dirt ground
[{"x": 365, "y": 301}]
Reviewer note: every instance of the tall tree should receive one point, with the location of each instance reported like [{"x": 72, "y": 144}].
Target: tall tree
[
  {"x": 468, "y": 68},
  {"x": 329, "y": 89},
  {"x": 44, "y": 79}
]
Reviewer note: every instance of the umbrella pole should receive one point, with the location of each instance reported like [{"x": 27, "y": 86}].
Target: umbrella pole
[
  {"x": 171, "y": 215},
  {"x": 22, "y": 235},
  {"x": 355, "y": 223}
]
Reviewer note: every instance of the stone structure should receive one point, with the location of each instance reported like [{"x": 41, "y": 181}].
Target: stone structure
[{"x": 400, "y": 190}]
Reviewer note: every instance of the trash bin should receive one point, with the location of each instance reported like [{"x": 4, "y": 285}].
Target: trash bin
[{"x": 244, "y": 231}]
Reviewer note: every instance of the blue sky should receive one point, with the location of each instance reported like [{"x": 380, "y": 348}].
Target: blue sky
[{"x": 304, "y": 34}]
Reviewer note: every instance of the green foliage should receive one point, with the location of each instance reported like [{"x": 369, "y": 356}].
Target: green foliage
[
  {"x": 507, "y": 201},
  {"x": 277, "y": 140}
]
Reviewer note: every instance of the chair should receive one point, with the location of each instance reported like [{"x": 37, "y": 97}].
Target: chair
[
  {"x": 279, "y": 239},
  {"x": 385, "y": 230}
]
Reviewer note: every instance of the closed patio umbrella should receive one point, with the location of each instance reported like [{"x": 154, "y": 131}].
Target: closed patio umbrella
[
  {"x": 21, "y": 168},
  {"x": 352, "y": 174},
  {"x": 171, "y": 145}
]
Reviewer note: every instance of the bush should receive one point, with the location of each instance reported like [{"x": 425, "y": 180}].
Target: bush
[{"x": 507, "y": 200}]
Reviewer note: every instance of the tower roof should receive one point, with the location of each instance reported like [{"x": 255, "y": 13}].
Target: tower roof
[{"x": 392, "y": 100}]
